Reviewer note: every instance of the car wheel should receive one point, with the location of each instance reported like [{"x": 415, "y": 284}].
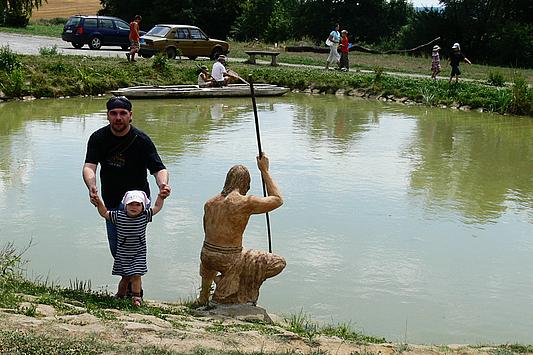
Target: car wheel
[
  {"x": 95, "y": 43},
  {"x": 171, "y": 52},
  {"x": 77, "y": 45},
  {"x": 193, "y": 57},
  {"x": 147, "y": 55},
  {"x": 125, "y": 47}
]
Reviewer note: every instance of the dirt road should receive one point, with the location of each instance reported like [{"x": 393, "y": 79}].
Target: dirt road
[{"x": 24, "y": 44}]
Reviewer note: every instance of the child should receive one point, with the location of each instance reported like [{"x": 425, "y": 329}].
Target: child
[
  {"x": 435, "y": 62},
  {"x": 204, "y": 78},
  {"x": 454, "y": 60},
  {"x": 344, "y": 64},
  {"x": 130, "y": 259}
]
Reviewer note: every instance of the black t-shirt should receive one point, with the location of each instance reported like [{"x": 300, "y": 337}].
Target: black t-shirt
[
  {"x": 456, "y": 58},
  {"x": 124, "y": 161}
]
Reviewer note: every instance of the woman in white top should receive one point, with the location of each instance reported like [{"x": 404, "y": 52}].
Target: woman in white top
[{"x": 333, "y": 42}]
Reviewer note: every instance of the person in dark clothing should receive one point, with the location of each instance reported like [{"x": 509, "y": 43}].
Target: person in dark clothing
[
  {"x": 125, "y": 154},
  {"x": 455, "y": 59}
]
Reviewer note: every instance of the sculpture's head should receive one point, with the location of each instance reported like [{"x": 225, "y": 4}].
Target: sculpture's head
[{"x": 238, "y": 177}]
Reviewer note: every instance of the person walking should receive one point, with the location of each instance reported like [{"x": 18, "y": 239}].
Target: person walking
[
  {"x": 135, "y": 38},
  {"x": 125, "y": 154},
  {"x": 333, "y": 42},
  {"x": 435, "y": 62},
  {"x": 455, "y": 59},
  {"x": 344, "y": 63}
]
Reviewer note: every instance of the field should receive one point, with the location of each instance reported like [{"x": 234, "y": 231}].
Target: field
[{"x": 66, "y": 8}]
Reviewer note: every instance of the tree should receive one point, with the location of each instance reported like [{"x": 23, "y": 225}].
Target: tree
[{"x": 17, "y": 13}]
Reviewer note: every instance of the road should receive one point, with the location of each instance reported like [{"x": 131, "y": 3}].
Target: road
[{"x": 25, "y": 44}]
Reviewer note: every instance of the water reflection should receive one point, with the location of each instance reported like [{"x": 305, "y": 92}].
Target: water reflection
[{"x": 478, "y": 166}]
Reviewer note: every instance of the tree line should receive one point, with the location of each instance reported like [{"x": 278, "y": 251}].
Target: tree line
[{"x": 489, "y": 31}]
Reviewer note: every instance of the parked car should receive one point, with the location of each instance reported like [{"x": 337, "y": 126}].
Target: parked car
[
  {"x": 188, "y": 41},
  {"x": 97, "y": 31}
]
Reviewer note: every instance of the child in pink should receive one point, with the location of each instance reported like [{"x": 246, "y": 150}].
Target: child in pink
[{"x": 435, "y": 62}]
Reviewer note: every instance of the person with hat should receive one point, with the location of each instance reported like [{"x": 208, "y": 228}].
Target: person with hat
[
  {"x": 130, "y": 223},
  {"x": 204, "y": 78},
  {"x": 435, "y": 62},
  {"x": 125, "y": 154},
  {"x": 455, "y": 58},
  {"x": 221, "y": 76},
  {"x": 344, "y": 63}
]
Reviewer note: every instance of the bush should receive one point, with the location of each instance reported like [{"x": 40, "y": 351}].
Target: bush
[
  {"x": 522, "y": 101},
  {"x": 496, "y": 79},
  {"x": 49, "y": 50},
  {"x": 9, "y": 60},
  {"x": 14, "y": 83},
  {"x": 161, "y": 62}
]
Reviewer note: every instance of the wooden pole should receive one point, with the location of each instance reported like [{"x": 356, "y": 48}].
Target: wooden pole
[{"x": 260, "y": 156}]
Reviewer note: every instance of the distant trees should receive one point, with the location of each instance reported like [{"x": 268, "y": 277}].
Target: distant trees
[
  {"x": 495, "y": 31},
  {"x": 17, "y": 13}
]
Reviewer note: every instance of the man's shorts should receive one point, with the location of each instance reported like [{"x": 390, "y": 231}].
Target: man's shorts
[
  {"x": 455, "y": 71},
  {"x": 219, "y": 84},
  {"x": 134, "y": 44}
]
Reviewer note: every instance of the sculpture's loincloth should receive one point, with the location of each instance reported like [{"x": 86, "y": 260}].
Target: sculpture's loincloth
[{"x": 242, "y": 271}]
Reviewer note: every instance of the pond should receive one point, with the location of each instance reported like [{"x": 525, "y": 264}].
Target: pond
[{"x": 410, "y": 223}]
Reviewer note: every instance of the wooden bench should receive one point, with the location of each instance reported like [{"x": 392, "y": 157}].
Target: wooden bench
[{"x": 252, "y": 55}]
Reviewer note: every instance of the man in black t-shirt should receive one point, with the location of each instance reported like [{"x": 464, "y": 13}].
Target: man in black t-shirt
[{"x": 125, "y": 154}]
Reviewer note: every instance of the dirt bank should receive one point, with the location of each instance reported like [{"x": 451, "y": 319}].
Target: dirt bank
[{"x": 182, "y": 331}]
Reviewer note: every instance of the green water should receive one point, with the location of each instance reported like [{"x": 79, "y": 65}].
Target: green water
[{"x": 409, "y": 223}]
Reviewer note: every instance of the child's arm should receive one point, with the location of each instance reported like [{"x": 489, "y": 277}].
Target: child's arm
[
  {"x": 100, "y": 206},
  {"x": 163, "y": 194}
]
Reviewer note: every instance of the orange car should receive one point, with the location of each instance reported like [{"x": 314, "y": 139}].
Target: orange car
[{"x": 183, "y": 40}]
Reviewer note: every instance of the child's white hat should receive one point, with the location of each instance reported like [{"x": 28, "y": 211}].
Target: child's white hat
[
  {"x": 456, "y": 45},
  {"x": 135, "y": 196},
  {"x": 436, "y": 48}
]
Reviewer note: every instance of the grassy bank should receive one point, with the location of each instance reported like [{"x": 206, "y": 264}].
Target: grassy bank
[{"x": 54, "y": 75}]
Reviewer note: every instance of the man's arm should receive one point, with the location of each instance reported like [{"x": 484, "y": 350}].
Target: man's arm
[
  {"x": 161, "y": 179},
  {"x": 89, "y": 177},
  {"x": 274, "y": 198}
]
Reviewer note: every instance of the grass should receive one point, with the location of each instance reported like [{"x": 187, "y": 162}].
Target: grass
[
  {"x": 218, "y": 327},
  {"x": 38, "y": 28},
  {"x": 302, "y": 325},
  {"x": 27, "y": 342}
]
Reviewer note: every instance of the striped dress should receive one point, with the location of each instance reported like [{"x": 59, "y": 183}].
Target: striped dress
[{"x": 130, "y": 258}]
